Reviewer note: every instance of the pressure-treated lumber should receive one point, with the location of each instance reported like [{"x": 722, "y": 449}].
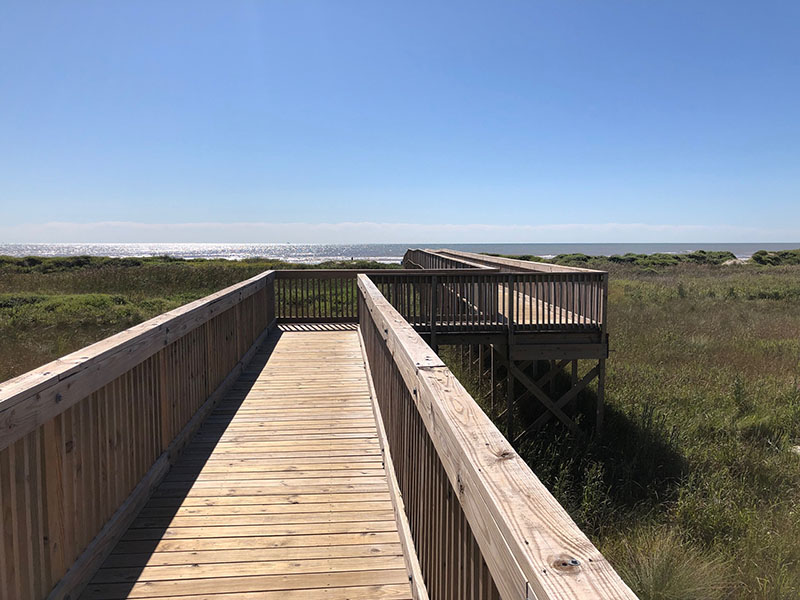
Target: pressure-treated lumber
[
  {"x": 84, "y": 439},
  {"x": 530, "y": 544},
  {"x": 30, "y": 400},
  {"x": 504, "y": 263},
  {"x": 251, "y": 508}
]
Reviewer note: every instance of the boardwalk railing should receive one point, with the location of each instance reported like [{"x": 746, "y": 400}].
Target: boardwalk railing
[
  {"x": 84, "y": 439},
  {"x": 498, "y": 262},
  {"x": 323, "y": 296},
  {"x": 425, "y": 259},
  {"x": 483, "y": 525},
  {"x": 489, "y": 301},
  {"x": 450, "y": 300},
  {"x": 315, "y": 296}
]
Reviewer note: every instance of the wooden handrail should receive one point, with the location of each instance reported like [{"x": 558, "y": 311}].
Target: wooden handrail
[
  {"x": 52, "y": 388},
  {"x": 526, "y": 540},
  {"x": 510, "y": 263},
  {"x": 432, "y": 259},
  {"x": 466, "y": 301},
  {"x": 328, "y": 295},
  {"x": 353, "y": 273},
  {"x": 84, "y": 439}
]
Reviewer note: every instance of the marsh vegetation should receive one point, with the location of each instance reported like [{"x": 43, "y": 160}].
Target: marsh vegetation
[{"x": 692, "y": 490}]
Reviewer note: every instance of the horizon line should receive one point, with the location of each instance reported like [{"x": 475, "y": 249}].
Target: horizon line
[{"x": 367, "y": 232}]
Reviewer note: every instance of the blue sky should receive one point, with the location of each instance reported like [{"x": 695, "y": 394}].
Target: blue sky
[{"x": 358, "y": 121}]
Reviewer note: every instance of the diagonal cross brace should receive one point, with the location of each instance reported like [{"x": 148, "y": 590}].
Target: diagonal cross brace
[
  {"x": 563, "y": 401},
  {"x": 543, "y": 398}
]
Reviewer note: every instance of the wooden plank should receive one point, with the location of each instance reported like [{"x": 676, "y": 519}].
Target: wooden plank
[
  {"x": 369, "y": 592},
  {"x": 257, "y": 520},
  {"x": 284, "y": 508},
  {"x": 256, "y": 544},
  {"x": 259, "y": 583},
  {"x": 205, "y": 557},
  {"x": 197, "y": 571}
]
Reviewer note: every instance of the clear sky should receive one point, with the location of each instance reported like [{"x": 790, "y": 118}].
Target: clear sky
[{"x": 526, "y": 121}]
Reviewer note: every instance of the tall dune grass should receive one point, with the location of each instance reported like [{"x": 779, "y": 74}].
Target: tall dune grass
[{"x": 692, "y": 491}]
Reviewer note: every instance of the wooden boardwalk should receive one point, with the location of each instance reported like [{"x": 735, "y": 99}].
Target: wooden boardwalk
[
  {"x": 281, "y": 494},
  {"x": 230, "y": 448}
]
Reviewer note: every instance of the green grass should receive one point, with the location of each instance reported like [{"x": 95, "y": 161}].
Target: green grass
[
  {"x": 52, "y": 306},
  {"x": 692, "y": 490}
]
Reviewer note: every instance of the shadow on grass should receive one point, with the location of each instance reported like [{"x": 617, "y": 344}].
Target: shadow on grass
[{"x": 634, "y": 460}]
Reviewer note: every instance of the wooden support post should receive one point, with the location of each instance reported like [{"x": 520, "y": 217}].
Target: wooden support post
[
  {"x": 601, "y": 392},
  {"x": 510, "y": 396},
  {"x": 491, "y": 367},
  {"x": 434, "y": 312},
  {"x": 510, "y": 315},
  {"x": 573, "y": 383},
  {"x": 480, "y": 369},
  {"x": 510, "y": 391}
]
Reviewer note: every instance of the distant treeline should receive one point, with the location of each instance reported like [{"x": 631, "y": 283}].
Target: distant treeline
[{"x": 700, "y": 257}]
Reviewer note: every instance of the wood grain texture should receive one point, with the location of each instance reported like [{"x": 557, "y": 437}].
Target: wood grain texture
[
  {"x": 83, "y": 439},
  {"x": 251, "y": 508},
  {"x": 30, "y": 400},
  {"x": 527, "y": 539}
]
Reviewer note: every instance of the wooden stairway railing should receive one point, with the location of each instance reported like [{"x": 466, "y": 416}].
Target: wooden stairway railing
[
  {"x": 483, "y": 525},
  {"x": 84, "y": 439}
]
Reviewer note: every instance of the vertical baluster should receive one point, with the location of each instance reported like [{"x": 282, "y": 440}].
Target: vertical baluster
[{"x": 572, "y": 287}]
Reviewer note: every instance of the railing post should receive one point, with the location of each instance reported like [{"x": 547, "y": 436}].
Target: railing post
[
  {"x": 511, "y": 298},
  {"x": 604, "y": 308},
  {"x": 434, "y": 312}
]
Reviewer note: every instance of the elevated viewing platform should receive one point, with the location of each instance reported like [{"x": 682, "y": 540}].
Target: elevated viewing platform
[{"x": 297, "y": 436}]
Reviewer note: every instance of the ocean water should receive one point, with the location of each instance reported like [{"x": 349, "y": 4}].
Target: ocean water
[{"x": 311, "y": 253}]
